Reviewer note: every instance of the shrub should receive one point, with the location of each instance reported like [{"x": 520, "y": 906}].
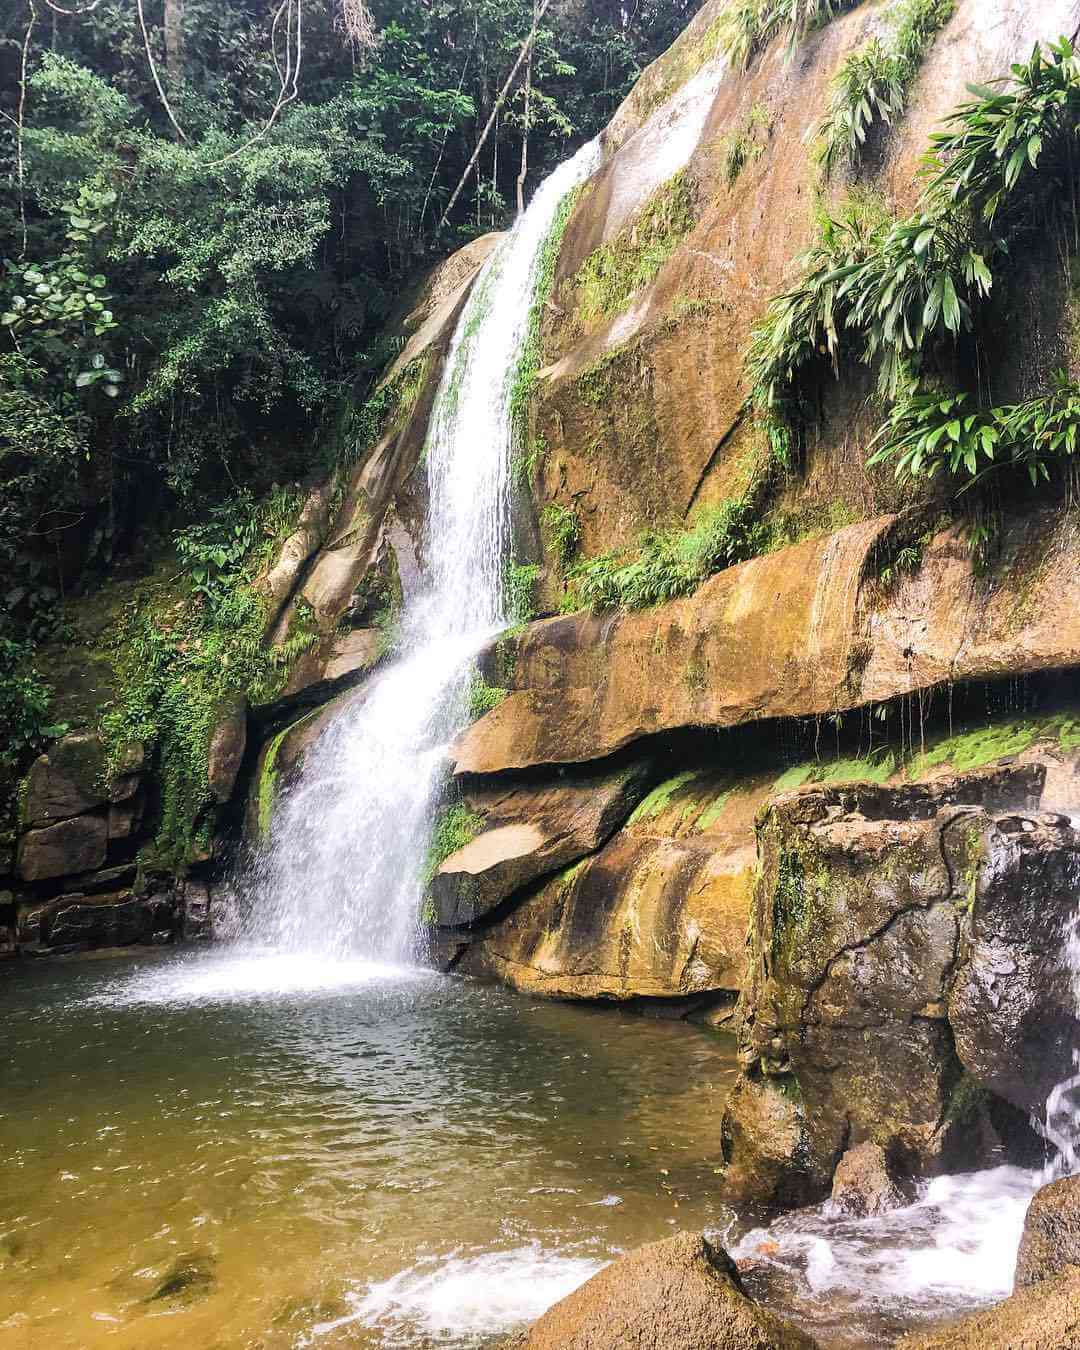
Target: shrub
[
  {"x": 996, "y": 141},
  {"x": 930, "y": 433},
  {"x": 746, "y": 143},
  {"x": 872, "y": 83},
  {"x": 483, "y": 697},
  {"x": 747, "y": 26},
  {"x": 562, "y": 530},
  {"x": 455, "y": 826},
  {"x": 670, "y": 563}
]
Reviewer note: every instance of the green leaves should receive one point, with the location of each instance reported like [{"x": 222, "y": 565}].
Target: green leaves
[{"x": 930, "y": 433}]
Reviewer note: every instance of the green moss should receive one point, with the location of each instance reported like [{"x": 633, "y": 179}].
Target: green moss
[
  {"x": 483, "y": 697},
  {"x": 455, "y": 826},
  {"x": 966, "y": 1101},
  {"x": 520, "y": 586},
  {"x": 523, "y": 384},
  {"x": 660, "y": 797},
  {"x": 974, "y": 749},
  {"x": 745, "y": 143},
  {"x": 611, "y": 274},
  {"x": 1069, "y": 734},
  {"x": 878, "y": 767},
  {"x": 712, "y": 812}
]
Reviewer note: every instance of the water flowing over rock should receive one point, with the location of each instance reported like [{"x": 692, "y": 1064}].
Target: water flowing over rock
[
  {"x": 343, "y": 871},
  {"x": 887, "y": 989}
]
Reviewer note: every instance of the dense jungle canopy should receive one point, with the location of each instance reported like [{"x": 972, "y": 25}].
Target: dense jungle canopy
[{"x": 210, "y": 209}]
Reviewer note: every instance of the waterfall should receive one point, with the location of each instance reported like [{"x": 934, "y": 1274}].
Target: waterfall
[{"x": 343, "y": 872}]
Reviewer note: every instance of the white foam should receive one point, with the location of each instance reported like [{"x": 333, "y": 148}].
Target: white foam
[
  {"x": 249, "y": 975},
  {"x": 956, "y": 1245},
  {"x": 464, "y": 1296}
]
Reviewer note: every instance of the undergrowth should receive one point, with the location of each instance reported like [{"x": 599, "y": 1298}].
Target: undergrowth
[
  {"x": 905, "y": 297},
  {"x": 872, "y": 84},
  {"x": 455, "y": 826},
  {"x": 187, "y": 647},
  {"x": 746, "y": 27}
]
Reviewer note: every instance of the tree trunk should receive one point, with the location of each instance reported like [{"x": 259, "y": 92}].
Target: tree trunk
[{"x": 174, "y": 42}]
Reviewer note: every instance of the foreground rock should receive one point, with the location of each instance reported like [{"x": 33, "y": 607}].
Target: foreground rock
[
  {"x": 864, "y": 1183},
  {"x": 904, "y": 959},
  {"x": 1045, "y": 1317},
  {"x": 1051, "y": 1241},
  {"x": 680, "y": 1294}
]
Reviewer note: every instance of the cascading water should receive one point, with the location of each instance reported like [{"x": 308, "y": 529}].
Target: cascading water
[{"x": 342, "y": 873}]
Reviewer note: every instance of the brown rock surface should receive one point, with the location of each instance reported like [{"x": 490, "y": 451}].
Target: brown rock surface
[
  {"x": 1050, "y": 1245},
  {"x": 863, "y": 1183},
  {"x": 63, "y": 849},
  {"x": 679, "y": 1294},
  {"x": 868, "y": 899},
  {"x": 795, "y": 633},
  {"x": 532, "y": 829},
  {"x": 1044, "y": 1317},
  {"x": 660, "y": 911},
  {"x": 226, "y": 751},
  {"x": 72, "y": 778},
  {"x": 71, "y": 923}
]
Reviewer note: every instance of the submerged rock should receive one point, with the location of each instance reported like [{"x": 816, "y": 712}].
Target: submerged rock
[
  {"x": 188, "y": 1280},
  {"x": 1050, "y": 1244},
  {"x": 679, "y": 1294}
]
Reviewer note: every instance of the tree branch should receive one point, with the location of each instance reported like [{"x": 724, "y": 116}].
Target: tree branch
[{"x": 526, "y": 48}]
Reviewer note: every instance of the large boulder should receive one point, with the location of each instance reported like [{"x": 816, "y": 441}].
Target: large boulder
[
  {"x": 659, "y": 912},
  {"x": 532, "y": 829},
  {"x": 869, "y": 903},
  {"x": 679, "y": 1294},
  {"x": 864, "y": 1184},
  {"x": 1050, "y": 1244},
  {"x": 74, "y": 777},
  {"x": 73, "y": 923},
  {"x": 64, "y": 849}
]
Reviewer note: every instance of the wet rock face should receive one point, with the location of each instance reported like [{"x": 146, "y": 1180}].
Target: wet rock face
[
  {"x": 864, "y": 1183},
  {"x": 680, "y": 1294},
  {"x": 77, "y": 923},
  {"x": 1046, "y": 1317},
  {"x": 904, "y": 959},
  {"x": 1050, "y": 1245}
]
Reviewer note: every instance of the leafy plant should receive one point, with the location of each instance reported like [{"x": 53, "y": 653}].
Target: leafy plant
[
  {"x": 669, "y": 564},
  {"x": 927, "y": 434},
  {"x": 482, "y": 697},
  {"x": 519, "y": 585},
  {"x": 562, "y": 530},
  {"x": 455, "y": 826},
  {"x": 871, "y": 85},
  {"x": 996, "y": 141},
  {"x": 746, "y": 143},
  {"x": 747, "y": 26},
  {"x": 24, "y": 706}
]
